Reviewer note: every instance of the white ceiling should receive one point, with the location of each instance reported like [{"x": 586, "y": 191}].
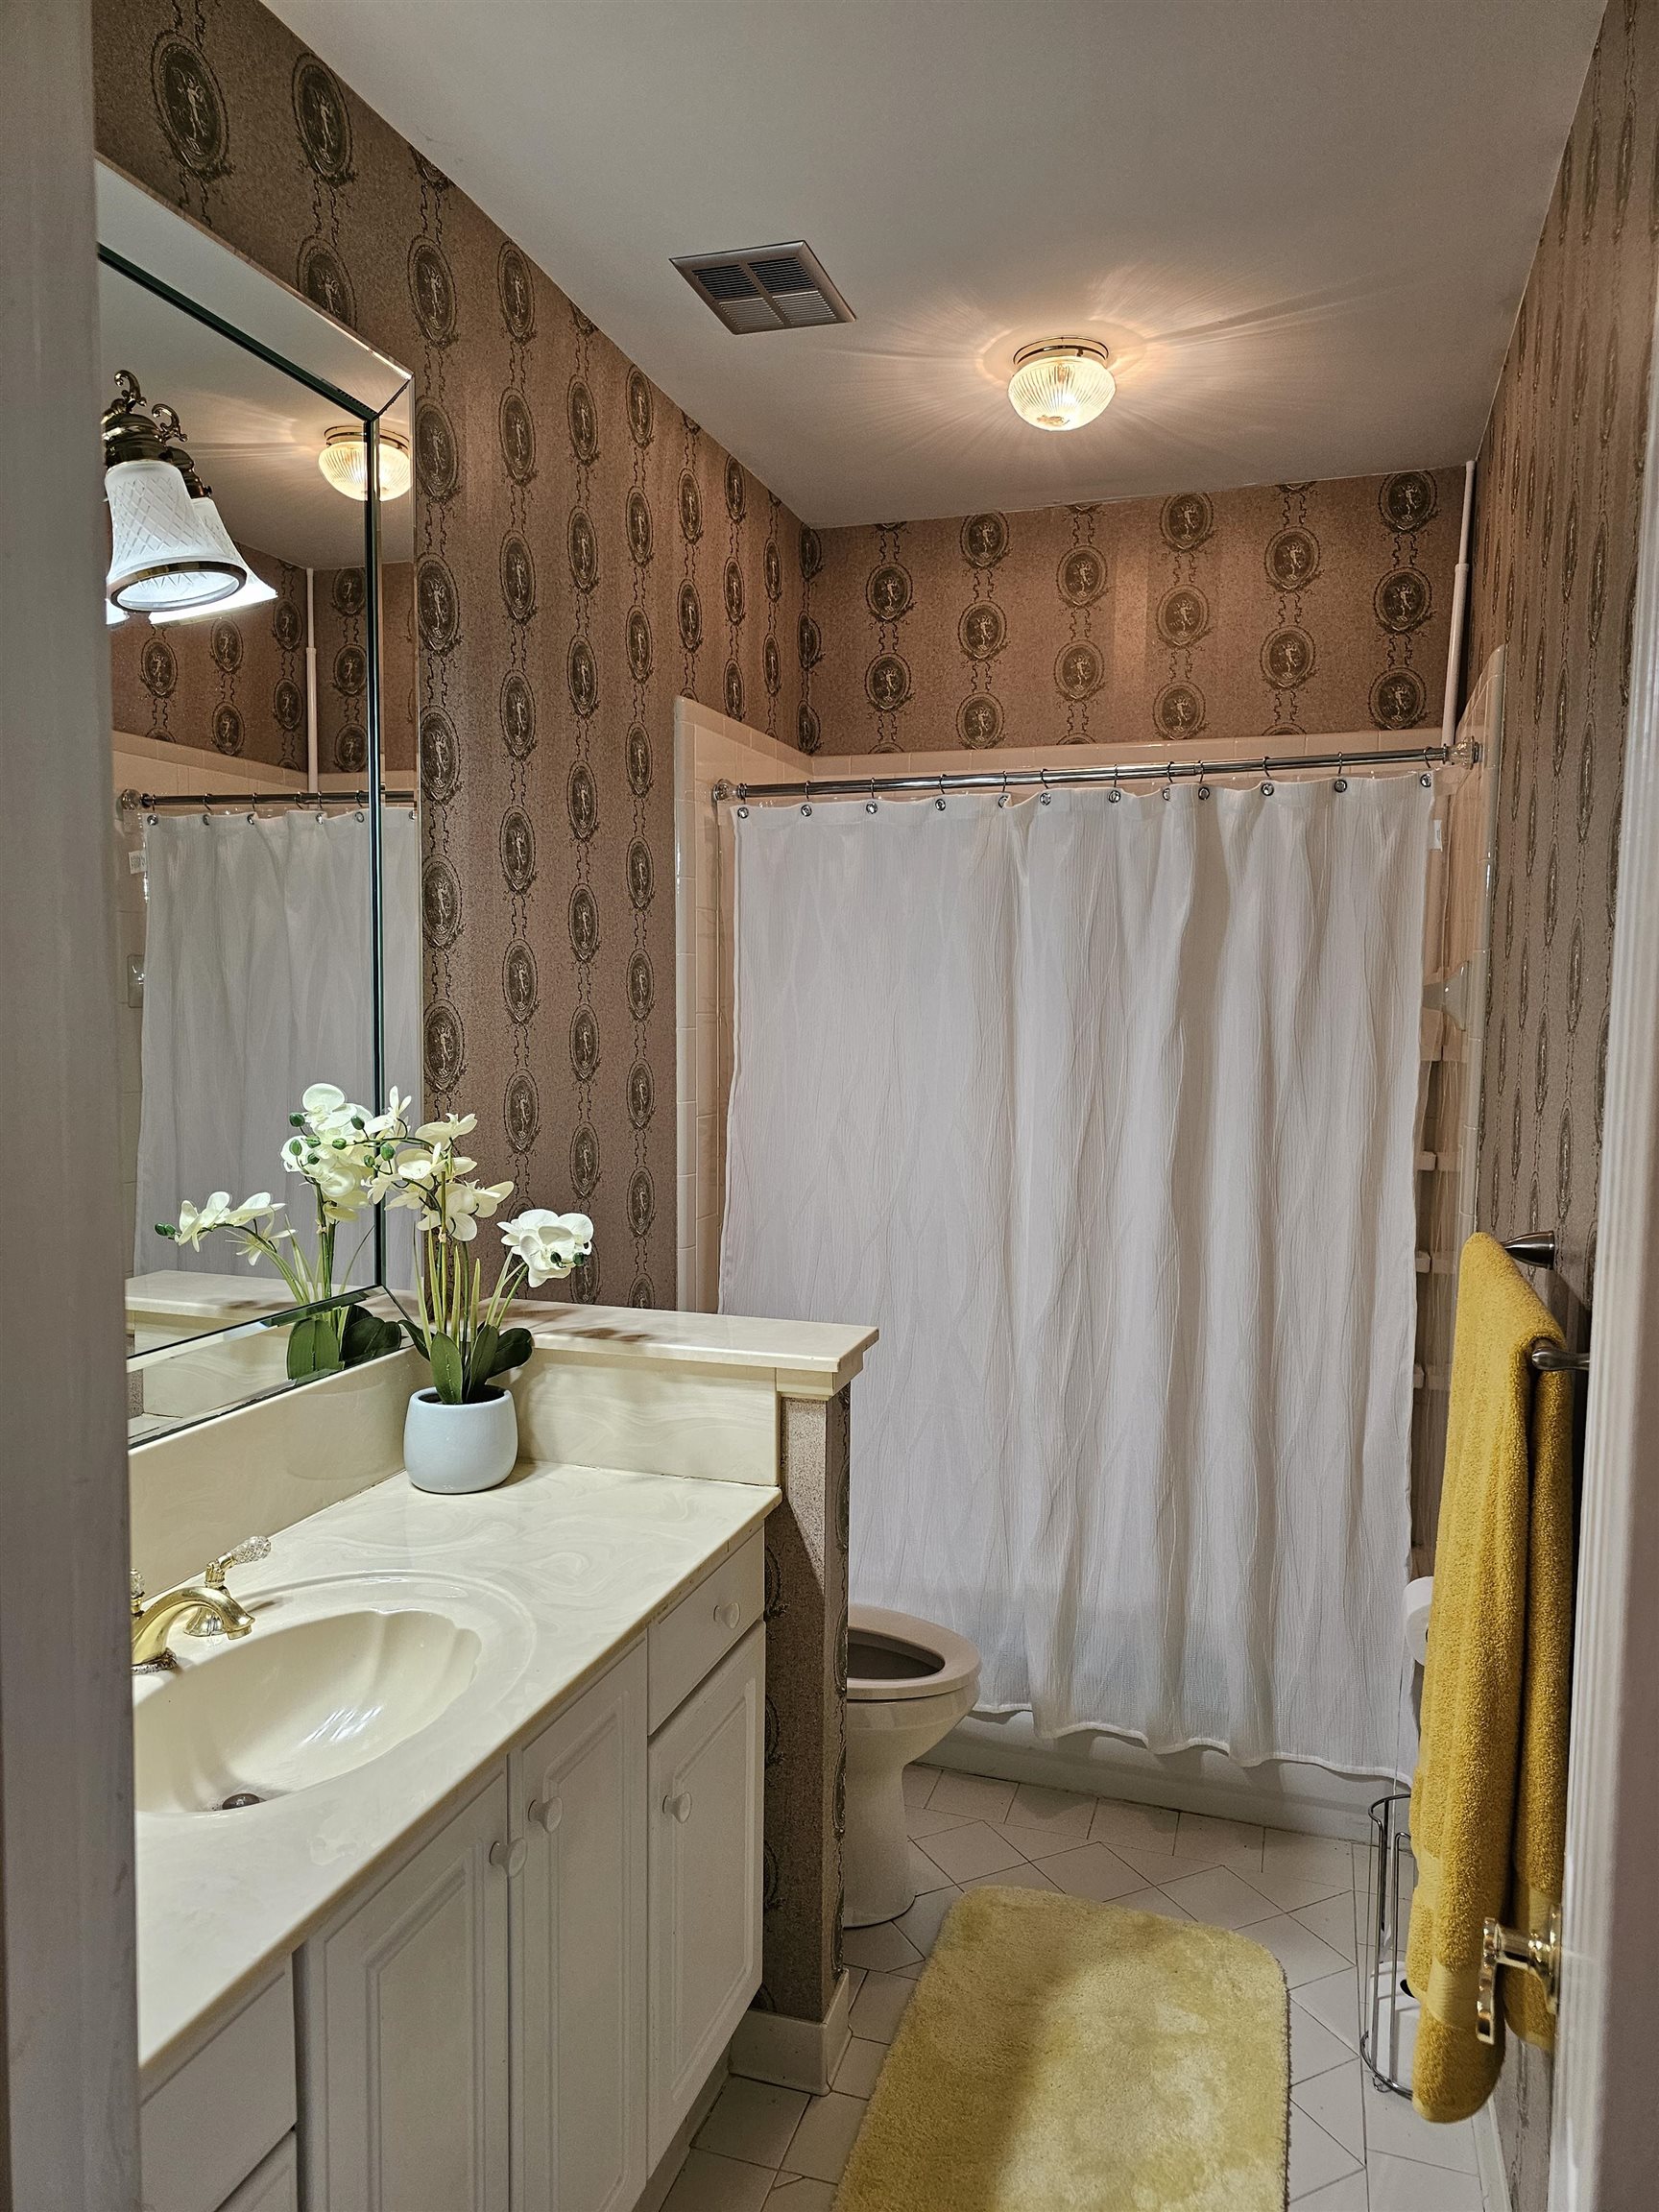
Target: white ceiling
[{"x": 1302, "y": 225}]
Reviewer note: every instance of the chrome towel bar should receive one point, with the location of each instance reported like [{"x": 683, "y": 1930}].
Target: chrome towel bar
[{"x": 1537, "y": 1249}]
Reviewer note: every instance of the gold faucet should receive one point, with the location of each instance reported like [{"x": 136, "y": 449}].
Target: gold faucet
[{"x": 154, "y": 1624}]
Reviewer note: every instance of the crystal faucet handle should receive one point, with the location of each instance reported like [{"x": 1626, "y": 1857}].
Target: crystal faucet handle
[{"x": 243, "y": 1554}]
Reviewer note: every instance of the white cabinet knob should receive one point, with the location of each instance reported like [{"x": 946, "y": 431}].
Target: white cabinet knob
[
  {"x": 729, "y": 1614},
  {"x": 509, "y": 1857},
  {"x": 546, "y": 1813},
  {"x": 678, "y": 1805}
]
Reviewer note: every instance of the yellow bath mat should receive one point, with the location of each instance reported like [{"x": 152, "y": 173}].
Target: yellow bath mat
[{"x": 1060, "y": 2055}]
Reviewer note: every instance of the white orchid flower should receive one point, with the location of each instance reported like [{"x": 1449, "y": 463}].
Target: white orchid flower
[
  {"x": 321, "y": 1099},
  {"x": 392, "y": 1122},
  {"x": 447, "y": 1131},
  {"x": 196, "y": 1221},
  {"x": 549, "y": 1244}
]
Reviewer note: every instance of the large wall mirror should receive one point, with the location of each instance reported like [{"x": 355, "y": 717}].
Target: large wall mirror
[{"x": 265, "y": 831}]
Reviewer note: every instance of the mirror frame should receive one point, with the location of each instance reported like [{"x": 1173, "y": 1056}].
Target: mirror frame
[{"x": 157, "y": 247}]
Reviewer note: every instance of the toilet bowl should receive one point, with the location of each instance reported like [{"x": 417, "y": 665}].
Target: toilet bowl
[{"x": 908, "y": 1683}]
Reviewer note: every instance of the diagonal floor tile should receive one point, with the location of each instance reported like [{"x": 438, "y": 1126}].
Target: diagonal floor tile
[
  {"x": 879, "y": 2006},
  {"x": 977, "y": 1794},
  {"x": 1093, "y": 1871},
  {"x": 1297, "y": 1949},
  {"x": 753, "y": 2121},
  {"x": 918, "y": 1784},
  {"x": 1335, "y": 2002},
  {"x": 926, "y": 1917},
  {"x": 708, "y": 2183},
  {"x": 1395, "y": 2128},
  {"x": 1216, "y": 1842},
  {"x": 1298, "y": 1870},
  {"x": 1218, "y": 1896},
  {"x": 1021, "y": 1877},
  {"x": 1153, "y": 1901},
  {"x": 1037, "y": 1844},
  {"x": 1313, "y": 2049},
  {"x": 1349, "y": 2194},
  {"x": 794, "y": 2192},
  {"x": 1332, "y": 1920},
  {"x": 962, "y": 1853},
  {"x": 1316, "y": 2158},
  {"x": 860, "y": 2063},
  {"x": 822, "y": 2141},
  {"x": 921, "y": 1821},
  {"x": 1336, "y": 2103},
  {"x": 1056, "y": 1812},
  {"x": 1149, "y": 1827},
  {"x": 883, "y": 1947},
  {"x": 1402, "y": 2186},
  {"x": 925, "y": 1872}
]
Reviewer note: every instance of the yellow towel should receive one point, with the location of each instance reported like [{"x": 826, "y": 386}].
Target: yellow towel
[{"x": 1489, "y": 1803}]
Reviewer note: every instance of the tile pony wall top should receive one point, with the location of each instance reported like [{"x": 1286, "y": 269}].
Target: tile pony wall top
[{"x": 583, "y": 552}]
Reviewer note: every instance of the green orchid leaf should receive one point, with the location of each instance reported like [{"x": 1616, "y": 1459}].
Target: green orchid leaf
[
  {"x": 367, "y": 1337},
  {"x": 448, "y": 1377},
  {"x": 482, "y": 1364},
  {"x": 312, "y": 1348},
  {"x": 417, "y": 1336},
  {"x": 514, "y": 1348}
]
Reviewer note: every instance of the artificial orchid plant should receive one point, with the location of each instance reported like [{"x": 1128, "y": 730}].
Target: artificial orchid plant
[{"x": 354, "y": 1160}]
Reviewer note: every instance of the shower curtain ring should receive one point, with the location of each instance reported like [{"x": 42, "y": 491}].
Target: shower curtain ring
[
  {"x": 1168, "y": 778},
  {"x": 806, "y": 802},
  {"x": 743, "y": 802},
  {"x": 1113, "y": 795},
  {"x": 1427, "y": 778},
  {"x": 1266, "y": 777},
  {"x": 1341, "y": 782},
  {"x": 1203, "y": 785},
  {"x": 1003, "y": 801},
  {"x": 870, "y": 803},
  {"x": 940, "y": 800},
  {"x": 1047, "y": 796}
]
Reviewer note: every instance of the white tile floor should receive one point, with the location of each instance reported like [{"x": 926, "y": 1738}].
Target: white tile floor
[{"x": 1353, "y": 2146}]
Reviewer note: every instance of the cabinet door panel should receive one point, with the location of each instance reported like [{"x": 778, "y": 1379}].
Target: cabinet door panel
[
  {"x": 580, "y": 2075},
  {"x": 404, "y": 2012},
  {"x": 705, "y": 1914}
]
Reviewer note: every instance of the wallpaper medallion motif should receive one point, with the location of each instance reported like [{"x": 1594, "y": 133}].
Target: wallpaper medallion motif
[{"x": 1270, "y": 610}]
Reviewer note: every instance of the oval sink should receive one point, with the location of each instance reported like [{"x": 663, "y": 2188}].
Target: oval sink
[{"x": 296, "y": 1703}]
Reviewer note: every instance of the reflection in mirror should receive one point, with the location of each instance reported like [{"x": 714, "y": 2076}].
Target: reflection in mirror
[{"x": 252, "y": 725}]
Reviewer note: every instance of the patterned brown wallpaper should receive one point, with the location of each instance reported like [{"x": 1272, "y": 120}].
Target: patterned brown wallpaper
[
  {"x": 224, "y": 683},
  {"x": 1557, "y": 508},
  {"x": 337, "y": 596},
  {"x": 582, "y": 553},
  {"x": 1278, "y": 607}
]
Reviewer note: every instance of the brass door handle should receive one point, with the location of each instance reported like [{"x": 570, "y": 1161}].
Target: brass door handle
[{"x": 1537, "y": 1954}]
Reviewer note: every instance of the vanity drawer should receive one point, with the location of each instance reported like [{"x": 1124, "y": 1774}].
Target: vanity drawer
[
  {"x": 696, "y": 1635},
  {"x": 208, "y": 2126}
]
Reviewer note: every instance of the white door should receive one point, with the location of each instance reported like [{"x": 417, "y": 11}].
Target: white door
[
  {"x": 705, "y": 1917},
  {"x": 579, "y": 1954},
  {"x": 403, "y": 2025}
]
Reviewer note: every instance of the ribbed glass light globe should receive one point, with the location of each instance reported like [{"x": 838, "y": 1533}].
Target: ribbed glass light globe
[
  {"x": 1061, "y": 384},
  {"x": 345, "y": 461}
]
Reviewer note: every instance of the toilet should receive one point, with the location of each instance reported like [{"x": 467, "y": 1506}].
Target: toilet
[{"x": 908, "y": 1683}]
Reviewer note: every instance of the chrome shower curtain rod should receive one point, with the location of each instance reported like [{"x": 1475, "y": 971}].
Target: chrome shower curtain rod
[
  {"x": 235, "y": 801},
  {"x": 1270, "y": 764}
]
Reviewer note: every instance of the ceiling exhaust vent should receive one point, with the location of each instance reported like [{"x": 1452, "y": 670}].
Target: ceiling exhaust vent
[{"x": 765, "y": 288}]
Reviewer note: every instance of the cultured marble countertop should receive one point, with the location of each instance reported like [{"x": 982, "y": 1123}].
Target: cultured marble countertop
[{"x": 565, "y": 1565}]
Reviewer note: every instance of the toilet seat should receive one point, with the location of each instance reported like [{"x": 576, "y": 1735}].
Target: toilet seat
[{"x": 928, "y": 1661}]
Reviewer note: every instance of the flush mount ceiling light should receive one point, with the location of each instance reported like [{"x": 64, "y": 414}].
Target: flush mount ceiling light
[
  {"x": 169, "y": 549},
  {"x": 1061, "y": 383},
  {"x": 345, "y": 461}
]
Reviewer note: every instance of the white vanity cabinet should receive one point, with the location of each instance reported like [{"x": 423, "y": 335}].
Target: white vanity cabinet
[
  {"x": 403, "y": 2030},
  {"x": 519, "y": 2015},
  {"x": 705, "y": 1794},
  {"x": 579, "y": 1954}
]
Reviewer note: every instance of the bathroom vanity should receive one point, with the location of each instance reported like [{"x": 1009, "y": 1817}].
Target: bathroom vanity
[{"x": 493, "y": 1926}]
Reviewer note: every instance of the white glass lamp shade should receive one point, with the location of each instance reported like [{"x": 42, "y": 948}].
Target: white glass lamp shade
[
  {"x": 165, "y": 553},
  {"x": 1062, "y": 384},
  {"x": 112, "y": 615},
  {"x": 345, "y": 461},
  {"x": 254, "y": 593}
]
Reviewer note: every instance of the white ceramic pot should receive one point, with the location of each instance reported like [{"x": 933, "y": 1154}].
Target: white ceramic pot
[{"x": 460, "y": 1448}]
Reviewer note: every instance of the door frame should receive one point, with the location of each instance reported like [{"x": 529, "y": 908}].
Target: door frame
[{"x": 1605, "y": 2130}]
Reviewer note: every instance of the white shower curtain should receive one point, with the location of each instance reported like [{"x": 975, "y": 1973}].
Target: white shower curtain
[
  {"x": 257, "y": 984},
  {"x": 1104, "y": 1114}
]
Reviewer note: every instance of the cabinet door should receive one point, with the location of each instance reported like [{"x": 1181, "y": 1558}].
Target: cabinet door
[
  {"x": 578, "y": 2071},
  {"x": 404, "y": 2023},
  {"x": 275, "y": 2187},
  {"x": 704, "y": 1801}
]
